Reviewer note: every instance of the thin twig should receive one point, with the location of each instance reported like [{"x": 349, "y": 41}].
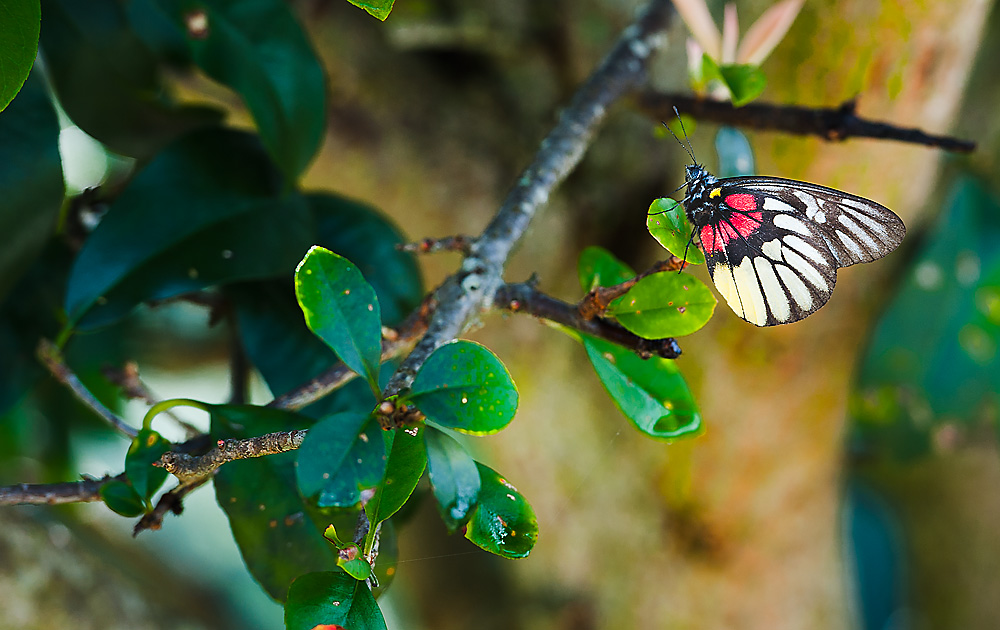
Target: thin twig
[
  {"x": 191, "y": 469},
  {"x": 172, "y": 501},
  {"x": 50, "y": 356},
  {"x": 55, "y": 493},
  {"x": 460, "y": 243},
  {"x": 466, "y": 293},
  {"x": 830, "y": 123},
  {"x": 524, "y": 298}
]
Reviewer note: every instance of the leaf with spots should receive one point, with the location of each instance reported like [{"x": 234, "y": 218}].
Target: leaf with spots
[
  {"x": 668, "y": 224},
  {"x": 342, "y": 455},
  {"x": 503, "y": 522},
  {"x": 273, "y": 527},
  {"x": 651, "y": 392},
  {"x": 341, "y": 308},
  {"x": 454, "y": 477},
  {"x": 664, "y": 304},
  {"x": 465, "y": 387},
  {"x": 406, "y": 462},
  {"x": 331, "y": 599},
  {"x": 207, "y": 210},
  {"x": 598, "y": 267}
]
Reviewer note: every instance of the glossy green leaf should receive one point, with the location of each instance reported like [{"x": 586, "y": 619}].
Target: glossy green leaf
[
  {"x": 108, "y": 81},
  {"x": 342, "y": 455},
  {"x": 330, "y": 533},
  {"x": 31, "y": 182},
  {"x": 454, "y": 477},
  {"x": 207, "y": 210},
  {"x": 651, "y": 393},
  {"x": 378, "y": 8},
  {"x": 597, "y": 267},
  {"x": 353, "y": 564},
  {"x": 18, "y": 45},
  {"x": 258, "y": 48},
  {"x": 331, "y": 599},
  {"x": 146, "y": 448},
  {"x": 342, "y": 309},
  {"x": 735, "y": 153},
  {"x": 745, "y": 82},
  {"x": 465, "y": 387},
  {"x": 404, "y": 467},
  {"x": 122, "y": 499},
  {"x": 934, "y": 358},
  {"x": 273, "y": 527},
  {"x": 503, "y": 522},
  {"x": 369, "y": 239},
  {"x": 666, "y": 304},
  {"x": 669, "y": 225}
]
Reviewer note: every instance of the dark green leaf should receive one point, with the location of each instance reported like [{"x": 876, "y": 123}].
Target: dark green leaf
[
  {"x": 257, "y": 48},
  {"x": 378, "y": 8},
  {"x": 205, "y": 211},
  {"x": 503, "y": 522},
  {"x": 598, "y": 267},
  {"x": 406, "y": 463},
  {"x": 454, "y": 477},
  {"x": 362, "y": 235},
  {"x": 108, "y": 80},
  {"x": 272, "y": 525},
  {"x": 31, "y": 181},
  {"x": 735, "y": 153},
  {"x": 122, "y": 499},
  {"x": 745, "y": 82},
  {"x": 342, "y": 455},
  {"x": 669, "y": 225},
  {"x": 650, "y": 392},
  {"x": 664, "y": 304},
  {"x": 465, "y": 387},
  {"x": 342, "y": 309},
  {"x": 18, "y": 45},
  {"x": 331, "y": 599},
  {"x": 146, "y": 448}
]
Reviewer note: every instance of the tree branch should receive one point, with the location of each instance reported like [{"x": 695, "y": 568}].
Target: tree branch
[
  {"x": 829, "y": 123},
  {"x": 172, "y": 501},
  {"x": 55, "y": 493},
  {"x": 524, "y": 298},
  {"x": 50, "y": 356},
  {"x": 466, "y": 293},
  {"x": 191, "y": 469}
]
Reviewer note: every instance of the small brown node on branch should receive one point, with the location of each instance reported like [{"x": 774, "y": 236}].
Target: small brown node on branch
[{"x": 196, "y": 23}]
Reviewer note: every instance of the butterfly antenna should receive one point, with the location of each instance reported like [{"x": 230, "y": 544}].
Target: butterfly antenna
[
  {"x": 690, "y": 148},
  {"x": 683, "y": 146}
]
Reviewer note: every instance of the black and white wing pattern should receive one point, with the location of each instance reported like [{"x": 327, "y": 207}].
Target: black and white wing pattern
[{"x": 773, "y": 246}]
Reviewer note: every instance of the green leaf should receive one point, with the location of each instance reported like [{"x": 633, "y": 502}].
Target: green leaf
[
  {"x": 207, "y": 210},
  {"x": 18, "y": 45},
  {"x": 367, "y": 238},
  {"x": 257, "y": 48},
  {"x": 651, "y": 393},
  {"x": 503, "y": 522},
  {"x": 454, "y": 477},
  {"x": 745, "y": 82},
  {"x": 108, "y": 81},
  {"x": 330, "y": 599},
  {"x": 342, "y": 455},
  {"x": 356, "y": 567},
  {"x": 669, "y": 225},
  {"x": 465, "y": 387},
  {"x": 31, "y": 180},
  {"x": 273, "y": 527},
  {"x": 342, "y": 309},
  {"x": 666, "y": 304},
  {"x": 598, "y": 267},
  {"x": 735, "y": 154},
  {"x": 146, "y": 448},
  {"x": 405, "y": 465},
  {"x": 122, "y": 499},
  {"x": 378, "y": 8}
]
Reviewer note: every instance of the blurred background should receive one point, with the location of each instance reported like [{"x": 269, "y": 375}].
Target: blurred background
[{"x": 848, "y": 476}]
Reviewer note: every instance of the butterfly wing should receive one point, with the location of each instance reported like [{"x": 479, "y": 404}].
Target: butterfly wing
[{"x": 774, "y": 245}]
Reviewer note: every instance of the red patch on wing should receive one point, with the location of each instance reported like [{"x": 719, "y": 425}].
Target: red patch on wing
[
  {"x": 744, "y": 224},
  {"x": 743, "y": 202},
  {"x": 716, "y": 237}
]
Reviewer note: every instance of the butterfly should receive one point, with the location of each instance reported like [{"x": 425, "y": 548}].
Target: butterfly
[{"x": 773, "y": 246}]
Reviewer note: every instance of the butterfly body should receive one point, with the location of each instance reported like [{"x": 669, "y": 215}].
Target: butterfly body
[{"x": 773, "y": 246}]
